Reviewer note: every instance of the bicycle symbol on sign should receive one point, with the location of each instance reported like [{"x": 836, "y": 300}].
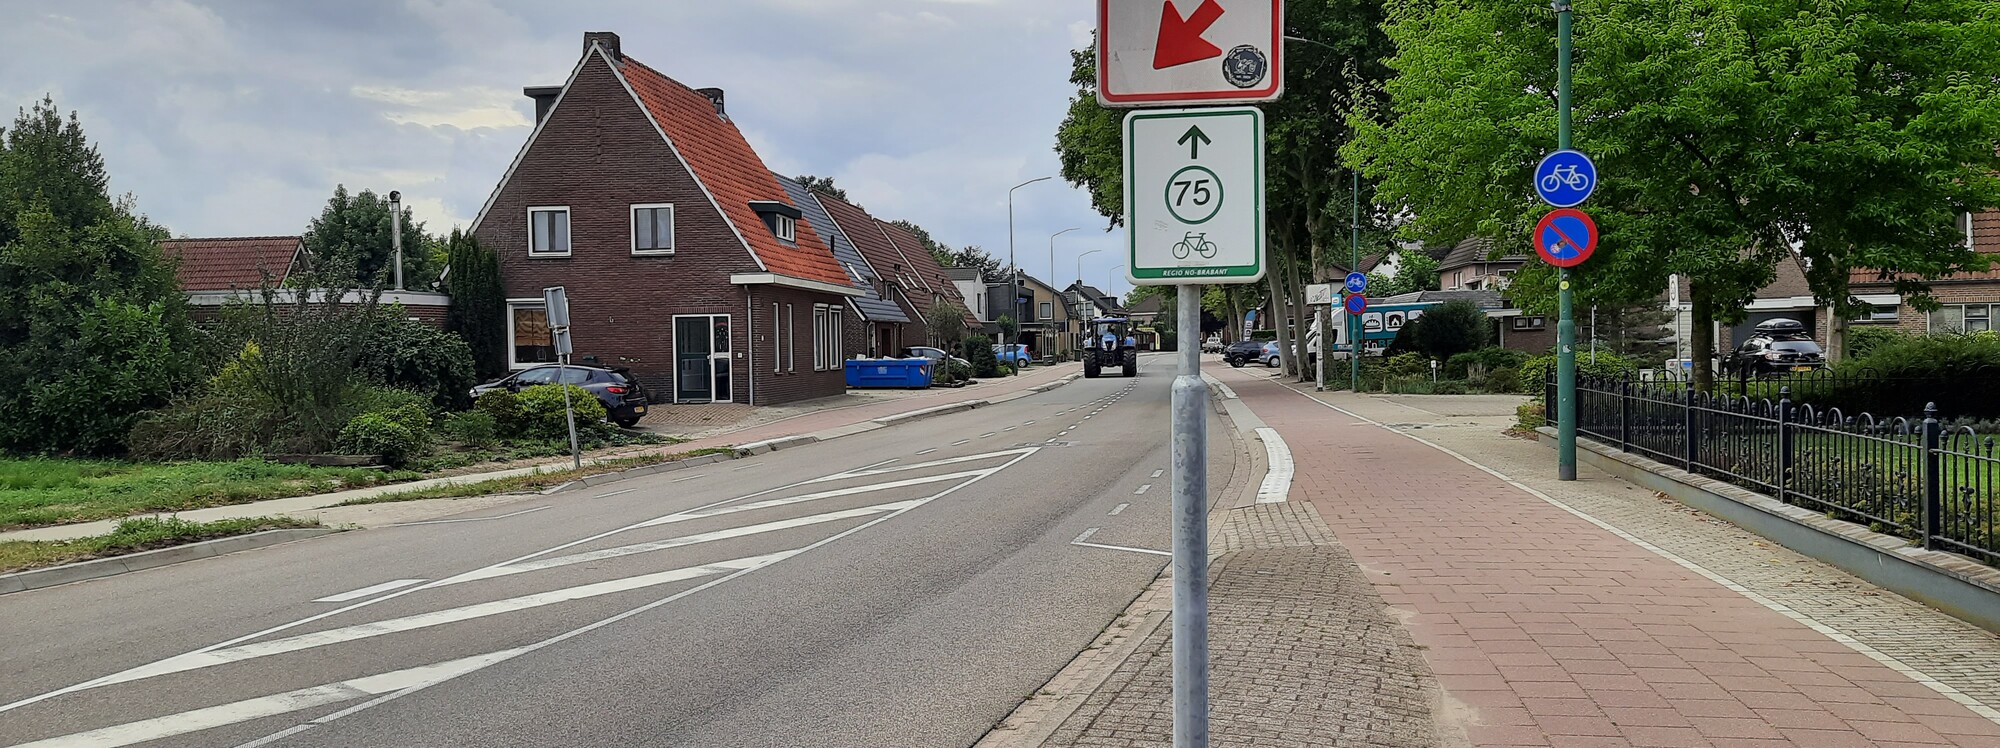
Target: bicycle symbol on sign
[
  {"x": 1194, "y": 243},
  {"x": 1566, "y": 176}
]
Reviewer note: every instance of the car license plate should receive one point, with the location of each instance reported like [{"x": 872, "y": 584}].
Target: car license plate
[
  {"x": 639, "y": 409},
  {"x": 1802, "y": 368}
]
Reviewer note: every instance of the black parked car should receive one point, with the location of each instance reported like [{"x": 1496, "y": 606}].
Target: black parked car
[
  {"x": 1776, "y": 347},
  {"x": 1243, "y": 351},
  {"x": 624, "y": 399}
]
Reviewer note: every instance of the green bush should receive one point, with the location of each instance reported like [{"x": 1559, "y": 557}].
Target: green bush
[
  {"x": 415, "y": 356},
  {"x": 542, "y": 416},
  {"x": 1407, "y": 365},
  {"x": 1536, "y": 371},
  {"x": 1460, "y": 366},
  {"x": 979, "y": 351},
  {"x": 1449, "y": 329},
  {"x": 958, "y": 370},
  {"x": 1899, "y": 377},
  {"x": 1502, "y": 381},
  {"x": 1530, "y": 416},
  {"x": 503, "y": 406},
  {"x": 475, "y": 428},
  {"x": 1263, "y": 335},
  {"x": 1424, "y": 386},
  {"x": 207, "y": 426},
  {"x": 396, "y": 435},
  {"x": 1863, "y": 340}
]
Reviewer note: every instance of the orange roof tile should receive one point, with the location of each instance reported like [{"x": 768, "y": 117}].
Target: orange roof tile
[
  {"x": 733, "y": 173},
  {"x": 231, "y": 263}
]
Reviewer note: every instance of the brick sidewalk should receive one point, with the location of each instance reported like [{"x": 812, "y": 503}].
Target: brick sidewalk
[{"x": 1557, "y": 631}]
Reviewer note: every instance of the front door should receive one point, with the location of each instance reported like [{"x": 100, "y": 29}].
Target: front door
[{"x": 701, "y": 359}]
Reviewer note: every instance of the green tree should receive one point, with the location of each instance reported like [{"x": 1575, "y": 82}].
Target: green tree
[
  {"x": 1415, "y": 271},
  {"x": 974, "y": 257},
  {"x": 943, "y": 254},
  {"x": 821, "y": 185},
  {"x": 1728, "y": 134},
  {"x": 1449, "y": 329},
  {"x": 478, "y": 312},
  {"x": 93, "y": 326},
  {"x": 1090, "y": 143},
  {"x": 354, "y": 230}
]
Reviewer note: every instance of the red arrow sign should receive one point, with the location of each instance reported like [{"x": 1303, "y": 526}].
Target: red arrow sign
[{"x": 1180, "y": 39}]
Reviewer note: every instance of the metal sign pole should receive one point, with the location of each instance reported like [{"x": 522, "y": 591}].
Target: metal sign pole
[
  {"x": 1190, "y": 445},
  {"x": 1566, "y": 323},
  {"x": 575, "y": 452}
]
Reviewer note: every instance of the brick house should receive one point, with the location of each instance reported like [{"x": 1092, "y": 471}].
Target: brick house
[
  {"x": 1470, "y": 266},
  {"x": 905, "y": 270},
  {"x": 873, "y": 327},
  {"x": 931, "y": 272},
  {"x": 1971, "y": 301},
  {"x": 684, "y": 258},
  {"x": 220, "y": 271}
]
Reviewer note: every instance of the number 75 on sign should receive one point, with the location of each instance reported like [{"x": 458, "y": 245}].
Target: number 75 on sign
[{"x": 1194, "y": 195}]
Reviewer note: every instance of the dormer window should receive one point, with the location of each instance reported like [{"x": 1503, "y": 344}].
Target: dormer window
[{"x": 780, "y": 218}]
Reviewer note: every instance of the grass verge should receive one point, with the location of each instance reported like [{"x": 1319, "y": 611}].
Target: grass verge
[
  {"x": 533, "y": 481},
  {"x": 38, "y": 492},
  {"x": 132, "y": 536}
]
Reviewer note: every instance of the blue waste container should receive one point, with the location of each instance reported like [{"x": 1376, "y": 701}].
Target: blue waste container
[{"x": 900, "y": 373}]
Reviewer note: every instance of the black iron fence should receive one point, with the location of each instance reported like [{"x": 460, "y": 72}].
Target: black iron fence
[{"x": 1914, "y": 477}]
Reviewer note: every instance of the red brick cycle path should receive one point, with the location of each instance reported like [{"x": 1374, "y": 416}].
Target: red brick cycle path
[{"x": 1555, "y": 631}]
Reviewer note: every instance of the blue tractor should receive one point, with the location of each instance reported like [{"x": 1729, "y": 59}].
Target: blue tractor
[{"x": 1110, "y": 346}]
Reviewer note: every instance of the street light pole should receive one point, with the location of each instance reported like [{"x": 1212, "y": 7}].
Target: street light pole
[
  {"x": 1566, "y": 322},
  {"x": 1013, "y": 270},
  {"x": 1083, "y": 323},
  {"x": 1052, "y": 280},
  {"x": 1353, "y": 320},
  {"x": 1079, "y": 264},
  {"x": 1110, "y": 275}
]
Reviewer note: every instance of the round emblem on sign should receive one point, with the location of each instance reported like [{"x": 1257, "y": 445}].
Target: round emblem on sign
[
  {"x": 1194, "y": 194},
  {"x": 1245, "y": 66}
]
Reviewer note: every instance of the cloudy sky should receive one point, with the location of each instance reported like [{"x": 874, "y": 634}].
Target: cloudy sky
[{"x": 237, "y": 117}]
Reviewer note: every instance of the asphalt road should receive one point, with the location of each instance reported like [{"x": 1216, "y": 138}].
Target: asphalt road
[{"x": 903, "y": 587}]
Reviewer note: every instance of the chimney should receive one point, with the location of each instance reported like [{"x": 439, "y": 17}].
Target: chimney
[
  {"x": 608, "y": 39},
  {"x": 545, "y": 97},
  {"x": 714, "y": 95}
]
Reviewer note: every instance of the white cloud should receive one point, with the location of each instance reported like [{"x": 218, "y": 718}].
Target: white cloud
[{"x": 463, "y": 108}]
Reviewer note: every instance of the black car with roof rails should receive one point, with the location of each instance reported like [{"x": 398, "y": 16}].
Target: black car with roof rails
[
  {"x": 625, "y": 400},
  {"x": 1775, "y": 347}
]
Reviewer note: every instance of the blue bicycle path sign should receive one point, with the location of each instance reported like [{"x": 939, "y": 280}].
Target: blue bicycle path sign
[
  {"x": 1357, "y": 282},
  {"x": 1566, "y": 178}
]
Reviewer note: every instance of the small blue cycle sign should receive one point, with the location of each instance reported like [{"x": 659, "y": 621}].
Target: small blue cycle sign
[
  {"x": 1565, "y": 179},
  {"x": 1357, "y": 282}
]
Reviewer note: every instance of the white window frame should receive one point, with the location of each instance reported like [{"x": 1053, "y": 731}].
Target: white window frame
[
  {"x": 791, "y": 341},
  {"x": 777, "y": 342},
  {"x": 569, "y": 224},
  {"x": 1045, "y": 310},
  {"x": 819, "y": 337},
  {"x": 838, "y": 341},
  {"x": 633, "y": 214},
  {"x": 785, "y": 227},
  {"x": 513, "y": 304},
  {"x": 1965, "y": 221}
]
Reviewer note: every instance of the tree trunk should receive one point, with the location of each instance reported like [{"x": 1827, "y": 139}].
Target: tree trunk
[
  {"x": 1836, "y": 336},
  {"x": 1273, "y": 276},
  {"x": 1701, "y": 339},
  {"x": 1300, "y": 357}
]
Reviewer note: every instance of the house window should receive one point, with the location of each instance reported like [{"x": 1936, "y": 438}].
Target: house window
[
  {"x": 1881, "y": 315},
  {"x": 1048, "y": 310},
  {"x": 1531, "y": 323},
  {"x": 1978, "y": 318},
  {"x": 791, "y": 342},
  {"x": 653, "y": 229},
  {"x": 528, "y": 335},
  {"x": 548, "y": 231},
  {"x": 777, "y": 342},
  {"x": 786, "y": 228},
  {"x": 826, "y": 338},
  {"x": 819, "y": 337},
  {"x": 1964, "y": 318}
]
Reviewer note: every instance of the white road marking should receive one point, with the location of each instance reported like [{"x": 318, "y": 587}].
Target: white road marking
[
  {"x": 1085, "y": 536},
  {"x": 1157, "y": 473},
  {"x": 934, "y": 463},
  {"x": 369, "y": 590},
  {"x": 1117, "y": 510},
  {"x": 716, "y": 511},
  {"x": 357, "y": 632},
  {"x": 741, "y": 469},
  {"x": 927, "y": 451},
  {"x": 691, "y": 477},
  {"x": 987, "y": 434},
  {"x": 266, "y": 706},
  {"x": 1124, "y": 548},
  {"x": 1142, "y": 489},
  {"x": 585, "y": 629},
  {"x": 1010, "y": 428},
  {"x": 960, "y": 442},
  {"x": 1030, "y": 423},
  {"x": 682, "y": 541},
  {"x": 1278, "y": 479},
  {"x": 614, "y": 493},
  {"x": 471, "y": 519}
]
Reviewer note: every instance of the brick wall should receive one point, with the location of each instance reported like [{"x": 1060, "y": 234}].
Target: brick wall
[
  {"x": 599, "y": 155},
  {"x": 789, "y": 335}
]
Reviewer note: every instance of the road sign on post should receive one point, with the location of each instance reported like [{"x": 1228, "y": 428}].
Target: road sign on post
[
  {"x": 1357, "y": 282},
  {"x": 1565, "y": 237},
  {"x": 1165, "y": 52},
  {"x": 1319, "y": 294},
  {"x": 1566, "y": 178},
  {"x": 1194, "y": 195},
  {"x": 1355, "y": 303},
  {"x": 555, "y": 305}
]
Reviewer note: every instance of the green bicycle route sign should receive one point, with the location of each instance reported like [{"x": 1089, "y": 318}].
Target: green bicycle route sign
[{"x": 1194, "y": 195}]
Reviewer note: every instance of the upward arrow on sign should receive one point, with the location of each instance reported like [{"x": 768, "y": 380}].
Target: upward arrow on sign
[
  {"x": 1180, "y": 39},
  {"x": 1194, "y": 140}
]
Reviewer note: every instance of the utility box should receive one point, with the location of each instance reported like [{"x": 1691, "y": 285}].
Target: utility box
[{"x": 889, "y": 373}]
